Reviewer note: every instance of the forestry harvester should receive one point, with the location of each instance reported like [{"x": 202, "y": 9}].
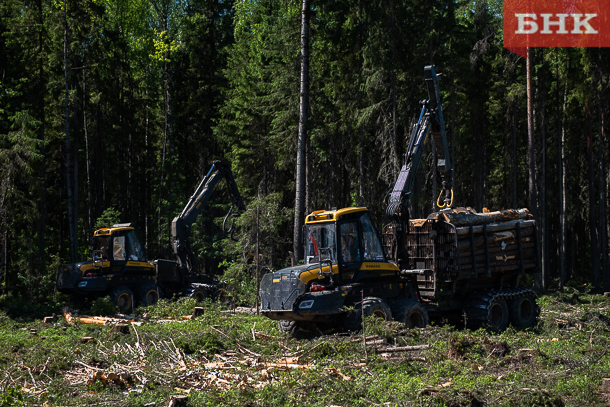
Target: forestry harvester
[
  {"x": 120, "y": 269},
  {"x": 455, "y": 263}
]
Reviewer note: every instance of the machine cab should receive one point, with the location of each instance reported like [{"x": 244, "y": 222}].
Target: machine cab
[
  {"x": 346, "y": 238},
  {"x": 117, "y": 245}
]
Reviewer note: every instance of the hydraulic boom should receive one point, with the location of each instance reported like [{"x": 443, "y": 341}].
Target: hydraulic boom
[
  {"x": 430, "y": 121},
  {"x": 181, "y": 225}
]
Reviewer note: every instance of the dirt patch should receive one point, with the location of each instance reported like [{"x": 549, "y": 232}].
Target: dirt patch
[{"x": 498, "y": 349}]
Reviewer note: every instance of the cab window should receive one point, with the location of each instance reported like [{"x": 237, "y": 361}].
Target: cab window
[
  {"x": 350, "y": 243},
  {"x": 101, "y": 243},
  {"x": 319, "y": 237},
  {"x": 135, "y": 249},
  {"x": 118, "y": 248},
  {"x": 370, "y": 240}
]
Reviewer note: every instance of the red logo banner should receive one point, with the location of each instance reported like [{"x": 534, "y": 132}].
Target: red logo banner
[{"x": 556, "y": 23}]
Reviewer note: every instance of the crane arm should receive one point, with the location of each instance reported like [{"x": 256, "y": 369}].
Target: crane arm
[
  {"x": 181, "y": 225},
  {"x": 430, "y": 120}
]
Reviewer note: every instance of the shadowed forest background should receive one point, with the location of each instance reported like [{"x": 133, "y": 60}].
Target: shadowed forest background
[{"x": 114, "y": 110}]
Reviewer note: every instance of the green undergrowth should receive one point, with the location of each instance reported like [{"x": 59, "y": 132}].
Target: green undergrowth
[{"x": 559, "y": 362}]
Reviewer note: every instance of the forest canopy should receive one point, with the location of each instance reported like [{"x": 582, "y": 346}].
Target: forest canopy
[{"x": 114, "y": 110}]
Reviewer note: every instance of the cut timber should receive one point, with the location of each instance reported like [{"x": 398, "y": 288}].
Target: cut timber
[
  {"x": 497, "y": 266},
  {"x": 457, "y": 250},
  {"x": 465, "y": 249},
  {"x": 50, "y": 320},
  {"x": 493, "y": 241},
  {"x": 501, "y": 256},
  {"x": 460, "y": 217},
  {"x": 496, "y": 227},
  {"x": 197, "y": 312},
  {"x": 86, "y": 319},
  {"x": 404, "y": 348}
]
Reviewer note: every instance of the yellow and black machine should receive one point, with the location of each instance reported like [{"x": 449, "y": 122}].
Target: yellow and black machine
[
  {"x": 344, "y": 266},
  {"x": 120, "y": 269},
  {"x": 421, "y": 268}
]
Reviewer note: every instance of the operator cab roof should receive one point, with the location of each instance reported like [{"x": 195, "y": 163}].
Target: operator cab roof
[
  {"x": 332, "y": 215},
  {"x": 115, "y": 228}
]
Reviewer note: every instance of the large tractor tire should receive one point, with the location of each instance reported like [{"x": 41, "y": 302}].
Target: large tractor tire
[
  {"x": 497, "y": 314},
  {"x": 122, "y": 297},
  {"x": 523, "y": 311},
  {"x": 413, "y": 315},
  {"x": 148, "y": 294},
  {"x": 199, "y": 294},
  {"x": 289, "y": 327},
  {"x": 370, "y": 306}
]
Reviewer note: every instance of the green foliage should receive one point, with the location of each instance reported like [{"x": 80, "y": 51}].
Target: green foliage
[
  {"x": 12, "y": 396},
  {"x": 103, "y": 306},
  {"x": 165, "y": 308},
  {"x": 109, "y": 217},
  {"x": 377, "y": 326},
  {"x": 23, "y": 308}
]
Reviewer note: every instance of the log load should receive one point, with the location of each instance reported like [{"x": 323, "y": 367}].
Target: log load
[
  {"x": 468, "y": 216},
  {"x": 461, "y": 243}
]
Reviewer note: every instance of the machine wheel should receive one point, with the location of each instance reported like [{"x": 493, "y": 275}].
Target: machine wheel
[
  {"x": 497, "y": 314},
  {"x": 370, "y": 306},
  {"x": 148, "y": 294},
  {"x": 199, "y": 294},
  {"x": 523, "y": 311},
  {"x": 122, "y": 297},
  {"x": 288, "y": 327},
  {"x": 413, "y": 315}
]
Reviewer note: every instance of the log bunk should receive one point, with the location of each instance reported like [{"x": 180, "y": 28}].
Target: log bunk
[{"x": 461, "y": 244}]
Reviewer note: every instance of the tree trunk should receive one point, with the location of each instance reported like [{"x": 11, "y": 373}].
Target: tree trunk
[
  {"x": 603, "y": 238},
  {"x": 43, "y": 170},
  {"x": 563, "y": 215},
  {"x": 531, "y": 146},
  {"x": 603, "y": 222},
  {"x": 303, "y": 111},
  {"x": 396, "y": 159},
  {"x": 308, "y": 184},
  {"x": 89, "y": 220},
  {"x": 592, "y": 207},
  {"x": 360, "y": 128},
  {"x": 71, "y": 227},
  {"x": 543, "y": 221},
  {"x": 514, "y": 113}
]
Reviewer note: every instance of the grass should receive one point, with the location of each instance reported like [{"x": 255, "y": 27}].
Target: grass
[{"x": 229, "y": 359}]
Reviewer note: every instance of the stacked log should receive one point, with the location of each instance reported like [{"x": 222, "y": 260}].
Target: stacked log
[
  {"x": 488, "y": 242},
  {"x": 468, "y": 216}
]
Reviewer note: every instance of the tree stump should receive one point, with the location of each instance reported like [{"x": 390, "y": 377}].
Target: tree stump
[
  {"x": 121, "y": 328},
  {"x": 178, "y": 401}
]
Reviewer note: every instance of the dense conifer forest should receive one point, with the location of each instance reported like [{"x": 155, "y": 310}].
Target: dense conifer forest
[{"x": 114, "y": 110}]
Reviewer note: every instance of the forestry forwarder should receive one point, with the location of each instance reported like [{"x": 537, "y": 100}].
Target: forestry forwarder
[
  {"x": 424, "y": 269},
  {"x": 119, "y": 267}
]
